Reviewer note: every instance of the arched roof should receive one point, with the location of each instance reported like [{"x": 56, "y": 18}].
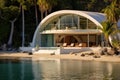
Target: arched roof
[{"x": 95, "y": 17}]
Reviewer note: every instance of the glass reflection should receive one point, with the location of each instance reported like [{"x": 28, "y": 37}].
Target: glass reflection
[{"x": 69, "y": 21}]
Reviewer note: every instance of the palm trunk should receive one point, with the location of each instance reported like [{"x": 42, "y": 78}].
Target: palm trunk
[
  {"x": 11, "y": 33},
  {"x": 42, "y": 15},
  {"x": 36, "y": 14},
  {"x": 23, "y": 28},
  {"x": 109, "y": 43},
  {"x": 46, "y": 13}
]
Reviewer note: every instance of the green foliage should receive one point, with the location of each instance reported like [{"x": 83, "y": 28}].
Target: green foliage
[
  {"x": 116, "y": 43},
  {"x": 9, "y": 9},
  {"x": 107, "y": 30},
  {"x": 2, "y": 3},
  {"x": 26, "y": 4},
  {"x": 113, "y": 11},
  {"x": 43, "y": 5},
  {"x": 9, "y": 13}
]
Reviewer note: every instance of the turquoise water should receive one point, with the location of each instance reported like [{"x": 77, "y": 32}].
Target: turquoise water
[{"x": 27, "y": 69}]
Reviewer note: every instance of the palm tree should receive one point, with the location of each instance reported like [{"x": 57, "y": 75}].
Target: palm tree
[
  {"x": 107, "y": 29},
  {"x": 36, "y": 13},
  {"x": 112, "y": 11},
  {"x": 43, "y": 6},
  {"x": 24, "y": 5},
  {"x": 51, "y": 4}
]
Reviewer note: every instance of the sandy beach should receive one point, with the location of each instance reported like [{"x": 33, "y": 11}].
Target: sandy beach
[{"x": 14, "y": 55}]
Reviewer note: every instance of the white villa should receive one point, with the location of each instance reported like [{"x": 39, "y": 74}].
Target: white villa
[{"x": 68, "y": 30}]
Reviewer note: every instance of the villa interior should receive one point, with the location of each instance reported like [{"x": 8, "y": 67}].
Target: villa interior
[
  {"x": 69, "y": 40},
  {"x": 83, "y": 40}
]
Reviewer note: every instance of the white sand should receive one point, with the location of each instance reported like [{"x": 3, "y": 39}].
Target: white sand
[{"x": 12, "y": 55}]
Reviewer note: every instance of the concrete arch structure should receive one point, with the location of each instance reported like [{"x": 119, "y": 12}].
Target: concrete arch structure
[{"x": 95, "y": 17}]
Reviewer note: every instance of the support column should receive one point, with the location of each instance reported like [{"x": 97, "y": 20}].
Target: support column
[
  {"x": 88, "y": 33},
  {"x": 72, "y": 20},
  {"x": 40, "y": 40},
  {"x": 78, "y": 22},
  {"x": 88, "y": 36},
  {"x": 87, "y": 23},
  {"x": 96, "y": 39},
  {"x": 102, "y": 41},
  {"x": 59, "y": 23}
]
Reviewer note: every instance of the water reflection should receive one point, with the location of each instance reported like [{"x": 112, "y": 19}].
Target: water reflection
[
  {"x": 109, "y": 69},
  {"x": 46, "y": 69},
  {"x": 56, "y": 69},
  {"x": 75, "y": 70},
  {"x": 16, "y": 70}
]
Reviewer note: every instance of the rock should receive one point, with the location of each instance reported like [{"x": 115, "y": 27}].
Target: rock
[
  {"x": 52, "y": 53},
  {"x": 111, "y": 52},
  {"x": 91, "y": 53},
  {"x": 96, "y": 56},
  {"x": 75, "y": 54},
  {"x": 83, "y": 55},
  {"x": 105, "y": 49},
  {"x": 30, "y": 53}
]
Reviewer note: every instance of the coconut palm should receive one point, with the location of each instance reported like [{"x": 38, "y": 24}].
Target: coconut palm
[
  {"x": 51, "y": 4},
  {"x": 24, "y": 4},
  {"x": 45, "y": 6},
  {"x": 112, "y": 11},
  {"x": 36, "y": 13},
  {"x": 23, "y": 7},
  {"x": 107, "y": 29}
]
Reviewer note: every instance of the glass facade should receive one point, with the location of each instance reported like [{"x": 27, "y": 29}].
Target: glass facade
[
  {"x": 69, "y": 21},
  {"x": 47, "y": 40}
]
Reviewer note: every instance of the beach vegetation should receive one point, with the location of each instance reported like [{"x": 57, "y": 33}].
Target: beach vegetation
[
  {"x": 116, "y": 43},
  {"x": 110, "y": 27},
  {"x": 107, "y": 30}
]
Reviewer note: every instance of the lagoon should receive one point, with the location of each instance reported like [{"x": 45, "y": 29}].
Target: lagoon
[{"x": 58, "y": 69}]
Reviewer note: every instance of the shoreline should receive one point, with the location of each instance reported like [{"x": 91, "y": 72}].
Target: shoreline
[{"x": 19, "y": 55}]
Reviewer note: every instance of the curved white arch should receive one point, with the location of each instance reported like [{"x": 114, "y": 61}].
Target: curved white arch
[{"x": 93, "y": 16}]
